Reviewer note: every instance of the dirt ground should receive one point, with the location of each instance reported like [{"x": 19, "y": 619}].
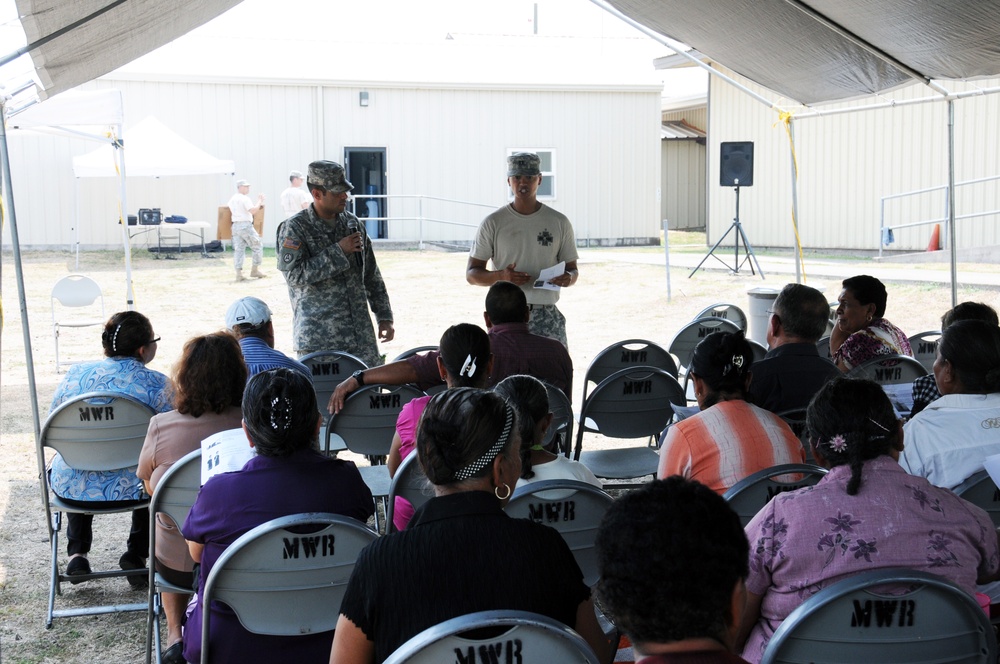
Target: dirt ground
[{"x": 613, "y": 300}]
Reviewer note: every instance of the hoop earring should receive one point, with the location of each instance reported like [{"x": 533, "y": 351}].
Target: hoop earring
[{"x": 496, "y": 492}]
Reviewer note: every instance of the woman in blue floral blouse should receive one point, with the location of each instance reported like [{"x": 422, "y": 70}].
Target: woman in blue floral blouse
[{"x": 129, "y": 344}]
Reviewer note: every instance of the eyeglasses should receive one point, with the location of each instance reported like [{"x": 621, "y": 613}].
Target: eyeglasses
[{"x": 153, "y": 341}]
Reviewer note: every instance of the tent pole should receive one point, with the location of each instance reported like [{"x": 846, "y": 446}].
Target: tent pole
[
  {"x": 119, "y": 147},
  {"x": 16, "y": 244},
  {"x": 951, "y": 203}
]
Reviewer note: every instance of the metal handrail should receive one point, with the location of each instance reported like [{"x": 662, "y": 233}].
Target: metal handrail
[
  {"x": 927, "y": 190},
  {"x": 420, "y": 216}
]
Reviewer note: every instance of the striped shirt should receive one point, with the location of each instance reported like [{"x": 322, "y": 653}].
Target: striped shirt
[
  {"x": 727, "y": 442},
  {"x": 261, "y": 357}
]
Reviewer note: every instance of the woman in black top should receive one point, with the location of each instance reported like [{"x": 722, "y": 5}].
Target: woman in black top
[{"x": 461, "y": 553}]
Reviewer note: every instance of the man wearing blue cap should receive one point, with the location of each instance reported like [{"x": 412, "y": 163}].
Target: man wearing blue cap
[
  {"x": 522, "y": 239},
  {"x": 330, "y": 269}
]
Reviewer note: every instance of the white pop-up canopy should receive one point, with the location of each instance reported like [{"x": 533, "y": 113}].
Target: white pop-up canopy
[{"x": 152, "y": 150}]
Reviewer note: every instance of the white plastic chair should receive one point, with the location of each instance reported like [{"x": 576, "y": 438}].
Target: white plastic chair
[
  {"x": 516, "y": 636},
  {"x": 79, "y": 292},
  {"x": 94, "y": 431},
  {"x": 274, "y": 593}
]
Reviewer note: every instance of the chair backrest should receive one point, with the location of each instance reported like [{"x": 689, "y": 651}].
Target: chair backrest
[
  {"x": 413, "y": 351},
  {"x": 889, "y": 370},
  {"x": 725, "y": 310},
  {"x": 631, "y": 403},
  {"x": 77, "y": 290},
  {"x": 284, "y": 577},
  {"x": 759, "y": 350},
  {"x": 749, "y": 495},
  {"x": 823, "y": 347},
  {"x": 514, "y": 636},
  {"x": 329, "y": 368},
  {"x": 980, "y": 490},
  {"x": 409, "y": 482},
  {"x": 795, "y": 418},
  {"x": 97, "y": 431},
  {"x": 562, "y": 419},
  {"x": 684, "y": 342},
  {"x": 573, "y": 508},
  {"x": 625, "y": 354},
  {"x": 855, "y": 620},
  {"x": 367, "y": 421},
  {"x": 924, "y": 346},
  {"x": 177, "y": 489}
]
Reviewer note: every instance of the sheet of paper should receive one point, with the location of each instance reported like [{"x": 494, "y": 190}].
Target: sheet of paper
[
  {"x": 224, "y": 452},
  {"x": 550, "y": 273}
]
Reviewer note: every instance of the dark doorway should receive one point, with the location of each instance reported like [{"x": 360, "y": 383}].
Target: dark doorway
[{"x": 366, "y": 171}]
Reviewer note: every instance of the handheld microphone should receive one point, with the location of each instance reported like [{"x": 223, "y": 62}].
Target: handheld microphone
[{"x": 353, "y": 227}]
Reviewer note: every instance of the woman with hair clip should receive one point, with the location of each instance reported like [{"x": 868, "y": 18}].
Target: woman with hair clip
[
  {"x": 530, "y": 400},
  {"x": 287, "y": 476},
  {"x": 208, "y": 390},
  {"x": 464, "y": 361},
  {"x": 730, "y": 438},
  {"x": 948, "y": 441},
  {"x": 129, "y": 345},
  {"x": 461, "y": 553},
  {"x": 866, "y": 514}
]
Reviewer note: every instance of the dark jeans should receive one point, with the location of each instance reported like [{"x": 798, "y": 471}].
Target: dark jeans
[{"x": 80, "y": 532}]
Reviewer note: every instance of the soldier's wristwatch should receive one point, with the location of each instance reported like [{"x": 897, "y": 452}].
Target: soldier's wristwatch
[{"x": 359, "y": 376}]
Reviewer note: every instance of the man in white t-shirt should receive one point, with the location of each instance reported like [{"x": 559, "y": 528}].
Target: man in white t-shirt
[
  {"x": 244, "y": 234},
  {"x": 522, "y": 239},
  {"x": 295, "y": 199}
]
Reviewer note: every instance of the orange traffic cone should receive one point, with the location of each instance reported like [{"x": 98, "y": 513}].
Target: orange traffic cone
[{"x": 935, "y": 243}]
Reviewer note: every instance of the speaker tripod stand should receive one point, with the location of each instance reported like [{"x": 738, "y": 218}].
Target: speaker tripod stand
[{"x": 749, "y": 255}]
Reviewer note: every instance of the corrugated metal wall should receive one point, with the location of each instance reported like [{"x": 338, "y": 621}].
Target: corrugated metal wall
[
  {"x": 848, "y": 162},
  {"x": 447, "y": 143},
  {"x": 696, "y": 117},
  {"x": 683, "y": 171}
]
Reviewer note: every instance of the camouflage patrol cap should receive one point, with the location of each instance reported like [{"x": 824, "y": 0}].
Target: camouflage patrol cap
[
  {"x": 523, "y": 163},
  {"x": 329, "y": 175}
]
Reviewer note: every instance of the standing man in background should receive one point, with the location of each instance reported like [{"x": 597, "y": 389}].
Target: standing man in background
[
  {"x": 522, "y": 239},
  {"x": 294, "y": 199},
  {"x": 244, "y": 234},
  {"x": 332, "y": 277}
]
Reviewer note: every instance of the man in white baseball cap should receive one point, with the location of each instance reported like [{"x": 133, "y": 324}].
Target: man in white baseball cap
[{"x": 249, "y": 318}]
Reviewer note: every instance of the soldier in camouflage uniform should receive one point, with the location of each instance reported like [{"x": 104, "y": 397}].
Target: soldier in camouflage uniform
[
  {"x": 522, "y": 239},
  {"x": 330, "y": 269}
]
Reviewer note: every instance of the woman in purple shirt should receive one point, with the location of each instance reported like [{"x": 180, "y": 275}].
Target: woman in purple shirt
[
  {"x": 866, "y": 514},
  {"x": 288, "y": 476}
]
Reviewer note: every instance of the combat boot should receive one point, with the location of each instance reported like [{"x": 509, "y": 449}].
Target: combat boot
[{"x": 256, "y": 273}]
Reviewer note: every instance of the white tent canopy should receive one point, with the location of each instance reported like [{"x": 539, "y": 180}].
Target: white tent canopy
[
  {"x": 152, "y": 150},
  {"x": 97, "y": 108}
]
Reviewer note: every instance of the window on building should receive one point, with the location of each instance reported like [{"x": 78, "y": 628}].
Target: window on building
[{"x": 547, "y": 158}]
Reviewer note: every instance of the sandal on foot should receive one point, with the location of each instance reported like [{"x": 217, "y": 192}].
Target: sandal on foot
[{"x": 174, "y": 654}]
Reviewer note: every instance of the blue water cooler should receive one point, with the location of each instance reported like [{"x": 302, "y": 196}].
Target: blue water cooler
[{"x": 372, "y": 205}]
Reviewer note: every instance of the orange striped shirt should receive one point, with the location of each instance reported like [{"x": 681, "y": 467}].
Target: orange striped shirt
[{"x": 727, "y": 442}]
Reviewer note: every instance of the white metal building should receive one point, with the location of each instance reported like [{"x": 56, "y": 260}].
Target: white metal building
[{"x": 847, "y": 163}]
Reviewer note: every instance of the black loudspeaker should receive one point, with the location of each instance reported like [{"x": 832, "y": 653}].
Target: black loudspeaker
[{"x": 736, "y": 164}]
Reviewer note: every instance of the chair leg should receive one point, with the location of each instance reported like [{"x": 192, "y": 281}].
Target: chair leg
[{"x": 54, "y": 570}]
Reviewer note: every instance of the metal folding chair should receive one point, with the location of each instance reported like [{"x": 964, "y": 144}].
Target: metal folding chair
[
  {"x": 94, "y": 431},
  {"x": 329, "y": 369},
  {"x": 980, "y": 490},
  {"x": 366, "y": 425},
  {"x": 889, "y": 370},
  {"x": 410, "y": 483},
  {"x": 562, "y": 421},
  {"x": 625, "y": 354},
  {"x": 730, "y": 312},
  {"x": 174, "y": 495},
  {"x": 924, "y": 346},
  {"x": 927, "y": 619},
  {"x": 749, "y": 495},
  {"x": 277, "y": 593},
  {"x": 518, "y": 636}
]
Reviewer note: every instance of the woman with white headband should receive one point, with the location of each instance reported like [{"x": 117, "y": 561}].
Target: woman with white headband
[
  {"x": 129, "y": 345},
  {"x": 464, "y": 361},
  {"x": 461, "y": 552}
]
